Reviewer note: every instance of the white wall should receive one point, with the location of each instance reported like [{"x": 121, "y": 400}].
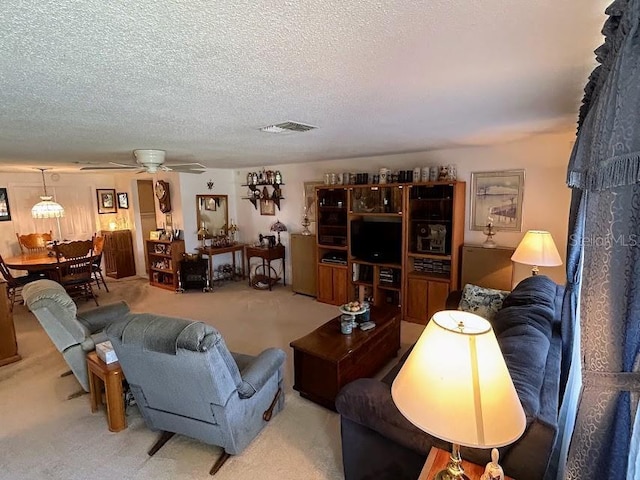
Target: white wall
[
  {"x": 543, "y": 157},
  {"x": 546, "y": 198},
  {"x": 8, "y": 242}
]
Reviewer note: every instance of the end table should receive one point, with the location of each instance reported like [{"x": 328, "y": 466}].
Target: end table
[
  {"x": 111, "y": 376},
  {"x": 438, "y": 460}
]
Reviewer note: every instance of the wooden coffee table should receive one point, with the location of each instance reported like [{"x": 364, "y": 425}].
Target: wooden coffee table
[{"x": 326, "y": 360}]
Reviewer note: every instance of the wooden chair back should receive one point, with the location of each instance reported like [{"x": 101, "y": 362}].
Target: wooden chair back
[
  {"x": 6, "y": 273},
  {"x": 34, "y": 242},
  {"x": 73, "y": 250}
]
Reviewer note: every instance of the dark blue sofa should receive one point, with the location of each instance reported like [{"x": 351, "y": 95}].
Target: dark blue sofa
[{"x": 379, "y": 443}]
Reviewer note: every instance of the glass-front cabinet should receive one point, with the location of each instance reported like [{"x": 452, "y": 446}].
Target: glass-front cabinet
[{"x": 376, "y": 199}]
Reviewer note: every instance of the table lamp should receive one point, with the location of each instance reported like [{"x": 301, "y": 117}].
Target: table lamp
[
  {"x": 455, "y": 385},
  {"x": 278, "y": 227},
  {"x": 537, "y": 249}
]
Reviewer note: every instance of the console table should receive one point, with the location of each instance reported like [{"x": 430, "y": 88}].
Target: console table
[
  {"x": 211, "y": 252},
  {"x": 267, "y": 255}
]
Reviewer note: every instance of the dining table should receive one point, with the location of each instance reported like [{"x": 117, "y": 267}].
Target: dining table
[{"x": 36, "y": 262}]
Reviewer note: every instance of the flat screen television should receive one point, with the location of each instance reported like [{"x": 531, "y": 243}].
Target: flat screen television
[{"x": 377, "y": 241}]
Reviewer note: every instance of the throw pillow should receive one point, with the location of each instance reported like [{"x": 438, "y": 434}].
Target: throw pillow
[{"x": 482, "y": 301}]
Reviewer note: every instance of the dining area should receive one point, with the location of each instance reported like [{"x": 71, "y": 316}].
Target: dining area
[{"x": 76, "y": 265}]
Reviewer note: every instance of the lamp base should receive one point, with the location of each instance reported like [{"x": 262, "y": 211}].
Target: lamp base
[
  {"x": 445, "y": 475},
  {"x": 454, "y": 470}
]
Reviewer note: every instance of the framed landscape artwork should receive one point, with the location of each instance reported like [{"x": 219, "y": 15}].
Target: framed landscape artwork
[
  {"x": 106, "y": 200},
  {"x": 5, "y": 213},
  {"x": 496, "y": 197}
]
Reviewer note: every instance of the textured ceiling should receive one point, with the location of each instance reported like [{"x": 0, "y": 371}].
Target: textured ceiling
[{"x": 91, "y": 81}]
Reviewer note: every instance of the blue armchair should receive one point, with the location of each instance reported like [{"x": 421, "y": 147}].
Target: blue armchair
[
  {"x": 74, "y": 334},
  {"x": 186, "y": 381}
]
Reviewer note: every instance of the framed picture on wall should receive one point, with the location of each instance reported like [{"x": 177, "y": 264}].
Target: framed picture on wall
[
  {"x": 310, "y": 199},
  {"x": 267, "y": 207},
  {"x": 123, "y": 200},
  {"x": 106, "y": 200},
  {"x": 5, "y": 213},
  {"x": 496, "y": 197}
]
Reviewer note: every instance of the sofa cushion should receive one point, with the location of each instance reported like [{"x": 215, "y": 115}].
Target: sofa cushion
[
  {"x": 524, "y": 326},
  {"x": 482, "y": 301}
]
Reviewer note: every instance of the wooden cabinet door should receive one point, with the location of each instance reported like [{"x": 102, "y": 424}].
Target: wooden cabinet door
[
  {"x": 437, "y": 297},
  {"x": 339, "y": 285},
  {"x": 417, "y": 298},
  {"x": 325, "y": 283}
]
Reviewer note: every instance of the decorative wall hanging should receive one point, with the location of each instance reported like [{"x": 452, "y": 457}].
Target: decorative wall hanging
[
  {"x": 106, "y": 200},
  {"x": 496, "y": 198},
  {"x": 123, "y": 200}
]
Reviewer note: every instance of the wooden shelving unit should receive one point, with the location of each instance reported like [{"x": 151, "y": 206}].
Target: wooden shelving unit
[
  {"x": 164, "y": 262},
  {"x": 431, "y": 216}
]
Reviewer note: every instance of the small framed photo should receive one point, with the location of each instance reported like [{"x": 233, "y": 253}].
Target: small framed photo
[
  {"x": 5, "y": 213},
  {"x": 496, "y": 197},
  {"x": 267, "y": 207},
  {"x": 123, "y": 200},
  {"x": 310, "y": 199},
  {"x": 106, "y": 200},
  {"x": 154, "y": 235}
]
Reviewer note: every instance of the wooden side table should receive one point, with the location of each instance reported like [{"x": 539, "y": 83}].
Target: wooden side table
[
  {"x": 438, "y": 460},
  {"x": 267, "y": 255},
  {"x": 111, "y": 377}
]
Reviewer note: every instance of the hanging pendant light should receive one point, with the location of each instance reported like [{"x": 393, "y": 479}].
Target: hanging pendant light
[{"x": 46, "y": 207}]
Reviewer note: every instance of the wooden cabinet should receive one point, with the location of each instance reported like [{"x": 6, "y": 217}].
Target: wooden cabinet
[
  {"x": 8, "y": 344},
  {"x": 487, "y": 267},
  {"x": 399, "y": 244},
  {"x": 434, "y": 233},
  {"x": 303, "y": 264},
  {"x": 332, "y": 284},
  {"x": 118, "y": 253},
  {"x": 424, "y": 298},
  {"x": 164, "y": 261}
]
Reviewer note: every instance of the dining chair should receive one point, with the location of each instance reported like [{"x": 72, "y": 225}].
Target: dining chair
[
  {"x": 96, "y": 268},
  {"x": 75, "y": 268},
  {"x": 34, "y": 242},
  {"x": 15, "y": 284}
]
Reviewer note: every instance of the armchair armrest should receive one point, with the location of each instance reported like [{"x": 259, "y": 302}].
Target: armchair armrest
[
  {"x": 256, "y": 374},
  {"x": 98, "y": 318}
]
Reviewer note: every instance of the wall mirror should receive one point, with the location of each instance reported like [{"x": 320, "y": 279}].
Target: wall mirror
[{"x": 213, "y": 214}]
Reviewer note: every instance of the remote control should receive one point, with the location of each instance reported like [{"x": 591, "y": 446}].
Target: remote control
[{"x": 367, "y": 326}]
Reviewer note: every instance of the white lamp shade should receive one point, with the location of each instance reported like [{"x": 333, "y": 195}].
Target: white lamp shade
[
  {"x": 47, "y": 208},
  {"x": 455, "y": 384},
  {"x": 537, "y": 248}
]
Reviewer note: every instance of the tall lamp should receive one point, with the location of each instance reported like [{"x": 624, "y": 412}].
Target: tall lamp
[
  {"x": 538, "y": 250},
  {"x": 278, "y": 227},
  {"x": 455, "y": 385}
]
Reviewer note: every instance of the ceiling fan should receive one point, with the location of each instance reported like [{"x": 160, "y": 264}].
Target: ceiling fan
[{"x": 152, "y": 161}]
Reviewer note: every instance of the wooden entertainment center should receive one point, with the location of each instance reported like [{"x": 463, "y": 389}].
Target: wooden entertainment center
[{"x": 399, "y": 244}]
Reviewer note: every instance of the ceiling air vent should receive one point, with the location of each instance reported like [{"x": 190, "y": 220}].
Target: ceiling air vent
[{"x": 287, "y": 127}]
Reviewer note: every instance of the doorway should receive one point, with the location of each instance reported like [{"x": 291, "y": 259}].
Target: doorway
[{"x": 147, "y": 203}]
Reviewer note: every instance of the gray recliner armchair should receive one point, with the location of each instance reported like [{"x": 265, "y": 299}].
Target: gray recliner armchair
[
  {"x": 186, "y": 381},
  {"x": 74, "y": 334}
]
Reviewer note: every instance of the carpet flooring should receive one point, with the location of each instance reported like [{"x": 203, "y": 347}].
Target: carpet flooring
[{"x": 45, "y": 436}]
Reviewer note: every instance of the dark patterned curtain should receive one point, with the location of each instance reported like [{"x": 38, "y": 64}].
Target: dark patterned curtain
[{"x": 604, "y": 172}]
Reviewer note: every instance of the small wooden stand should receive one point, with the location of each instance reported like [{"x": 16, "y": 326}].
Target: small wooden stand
[
  {"x": 110, "y": 375},
  {"x": 8, "y": 344}
]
